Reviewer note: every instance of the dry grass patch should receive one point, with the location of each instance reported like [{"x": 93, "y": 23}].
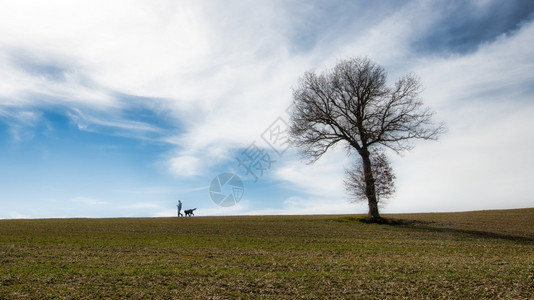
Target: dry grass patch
[{"x": 464, "y": 255}]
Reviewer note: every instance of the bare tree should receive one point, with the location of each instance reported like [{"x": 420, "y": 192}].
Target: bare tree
[
  {"x": 353, "y": 104},
  {"x": 382, "y": 173}
]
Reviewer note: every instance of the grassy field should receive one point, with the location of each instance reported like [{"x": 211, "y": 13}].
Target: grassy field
[{"x": 487, "y": 254}]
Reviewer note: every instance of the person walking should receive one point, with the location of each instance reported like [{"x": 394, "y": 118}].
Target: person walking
[{"x": 179, "y": 208}]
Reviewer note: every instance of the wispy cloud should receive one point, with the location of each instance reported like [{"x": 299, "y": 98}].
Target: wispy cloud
[
  {"x": 92, "y": 123},
  {"x": 21, "y": 123},
  {"x": 89, "y": 201}
]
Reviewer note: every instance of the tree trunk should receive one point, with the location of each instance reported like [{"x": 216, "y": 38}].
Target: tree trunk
[{"x": 370, "y": 190}]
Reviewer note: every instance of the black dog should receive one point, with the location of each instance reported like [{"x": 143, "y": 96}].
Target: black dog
[{"x": 189, "y": 212}]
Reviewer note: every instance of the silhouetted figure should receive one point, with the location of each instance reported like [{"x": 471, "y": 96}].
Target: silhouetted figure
[
  {"x": 179, "y": 208},
  {"x": 189, "y": 212}
]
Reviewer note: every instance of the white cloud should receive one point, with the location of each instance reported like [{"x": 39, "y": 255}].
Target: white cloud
[
  {"x": 30, "y": 87},
  {"x": 387, "y": 39},
  {"x": 86, "y": 122},
  {"x": 20, "y": 123},
  {"x": 499, "y": 71},
  {"x": 185, "y": 165},
  {"x": 485, "y": 164},
  {"x": 89, "y": 201},
  {"x": 223, "y": 69},
  {"x": 243, "y": 207},
  {"x": 326, "y": 205},
  {"x": 17, "y": 215},
  {"x": 484, "y": 160},
  {"x": 322, "y": 179},
  {"x": 142, "y": 205}
]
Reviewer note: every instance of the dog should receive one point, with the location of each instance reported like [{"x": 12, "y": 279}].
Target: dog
[{"x": 189, "y": 212}]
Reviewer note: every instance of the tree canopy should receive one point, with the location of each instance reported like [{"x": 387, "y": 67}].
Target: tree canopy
[{"x": 353, "y": 104}]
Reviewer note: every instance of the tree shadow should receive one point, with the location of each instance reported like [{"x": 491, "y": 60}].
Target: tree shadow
[{"x": 429, "y": 226}]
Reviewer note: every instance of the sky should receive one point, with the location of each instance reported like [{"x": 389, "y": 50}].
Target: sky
[{"x": 122, "y": 108}]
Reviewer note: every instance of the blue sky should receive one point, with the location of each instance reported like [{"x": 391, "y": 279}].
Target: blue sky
[{"x": 119, "y": 109}]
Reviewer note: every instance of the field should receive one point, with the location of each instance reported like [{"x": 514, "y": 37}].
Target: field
[{"x": 487, "y": 254}]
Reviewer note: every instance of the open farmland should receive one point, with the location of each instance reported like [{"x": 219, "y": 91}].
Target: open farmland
[{"x": 487, "y": 254}]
